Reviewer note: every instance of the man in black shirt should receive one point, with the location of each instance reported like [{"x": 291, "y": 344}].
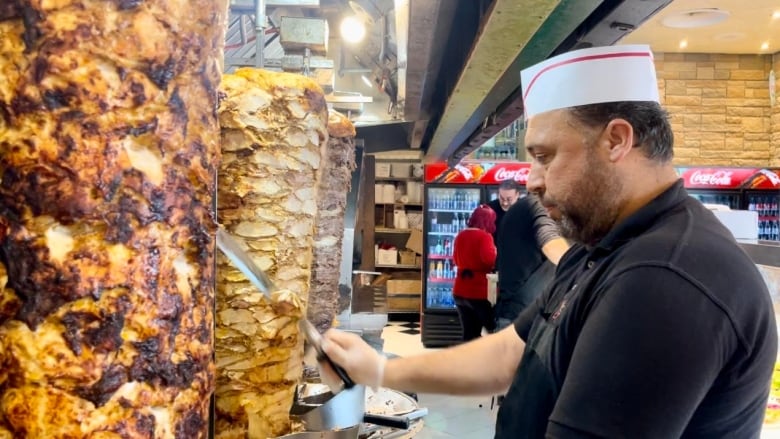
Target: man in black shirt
[
  {"x": 657, "y": 324},
  {"x": 509, "y": 191},
  {"x": 529, "y": 247}
]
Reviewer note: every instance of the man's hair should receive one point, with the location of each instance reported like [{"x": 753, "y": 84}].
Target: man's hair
[
  {"x": 510, "y": 184},
  {"x": 652, "y": 129}
]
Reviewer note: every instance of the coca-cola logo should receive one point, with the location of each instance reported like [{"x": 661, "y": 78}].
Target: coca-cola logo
[
  {"x": 774, "y": 178},
  {"x": 519, "y": 175},
  {"x": 465, "y": 172},
  {"x": 716, "y": 178}
]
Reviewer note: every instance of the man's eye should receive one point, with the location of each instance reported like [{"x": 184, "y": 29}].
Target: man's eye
[{"x": 540, "y": 158}]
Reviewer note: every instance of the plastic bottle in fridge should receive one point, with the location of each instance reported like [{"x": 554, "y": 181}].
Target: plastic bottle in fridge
[
  {"x": 434, "y": 223},
  {"x": 447, "y": 272},
  {"x": 439, "y": 270},
  {"x": 439, "y": 247}
]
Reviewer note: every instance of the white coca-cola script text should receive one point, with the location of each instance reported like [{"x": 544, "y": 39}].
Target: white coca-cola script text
[
  {"x": 519, "y": 175},
  {"x": 716, "y": 178}
]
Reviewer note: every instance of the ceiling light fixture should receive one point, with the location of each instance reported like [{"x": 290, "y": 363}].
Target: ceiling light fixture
[
  {"x": 765, "y": 45},
  {"x": 366, "y": 81},
  {"x": 352, "y": 29},
  {"x": 775, "y": 15},
  {"x": 695, "y": 18},
  {"x": 683, "y": 44}
]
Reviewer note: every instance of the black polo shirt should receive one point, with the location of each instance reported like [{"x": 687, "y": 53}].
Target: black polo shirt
[{"x": 664, "y": 329}]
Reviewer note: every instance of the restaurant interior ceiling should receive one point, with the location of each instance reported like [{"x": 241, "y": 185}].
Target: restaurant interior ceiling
[{"x": 443, "y": 76}]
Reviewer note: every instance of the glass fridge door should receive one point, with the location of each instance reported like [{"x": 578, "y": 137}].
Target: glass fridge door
[
  {"x": 492, "y": 193},
  {"x": 767, "y": 206},
  {"x": 448, "y": 210},
  {"x": 725, "y": 199}
]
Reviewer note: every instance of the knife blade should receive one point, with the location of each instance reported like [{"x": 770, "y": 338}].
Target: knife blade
[
  {"x": 232, "y": 249},
  {"x": 315, "y": 339},
  {"x": 241, "y": 259}
]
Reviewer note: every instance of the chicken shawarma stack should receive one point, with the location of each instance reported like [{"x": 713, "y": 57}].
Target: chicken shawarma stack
[
  {"x": 274, "y": 131},
  {"x": 108, "y": 152}
]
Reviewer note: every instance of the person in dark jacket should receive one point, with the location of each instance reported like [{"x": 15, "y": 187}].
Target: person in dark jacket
[
  {"x": 509, "y": 191},
  {"x": 529, "y": 247}
]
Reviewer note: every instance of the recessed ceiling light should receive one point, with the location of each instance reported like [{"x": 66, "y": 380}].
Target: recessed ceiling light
[
  {"x": 683, "y": 44},
  {"x": 776, "y": 15},
  {"x": 695, "y": 18},
  {"x": 765, "y": 45}
]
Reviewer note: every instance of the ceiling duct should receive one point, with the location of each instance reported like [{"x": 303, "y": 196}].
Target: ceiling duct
[
  {"x": 605, "y": 24},
  {"x": 367, "y": 10},
  {"x": 506, "y": 31}
]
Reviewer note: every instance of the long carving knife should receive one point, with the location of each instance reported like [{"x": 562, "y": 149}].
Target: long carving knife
[{"x": 241, "y": 259}]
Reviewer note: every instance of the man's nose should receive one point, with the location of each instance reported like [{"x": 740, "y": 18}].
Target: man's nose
[{"x": 535, "y": 184}]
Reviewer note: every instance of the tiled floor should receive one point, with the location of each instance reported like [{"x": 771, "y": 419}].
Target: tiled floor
[{"x": 448, "y": 416}]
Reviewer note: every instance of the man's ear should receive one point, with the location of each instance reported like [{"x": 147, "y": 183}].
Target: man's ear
[{"x": 618, "y": 136}]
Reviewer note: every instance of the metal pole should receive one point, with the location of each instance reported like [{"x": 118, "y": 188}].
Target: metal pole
[{"x": 259, "y": 33}]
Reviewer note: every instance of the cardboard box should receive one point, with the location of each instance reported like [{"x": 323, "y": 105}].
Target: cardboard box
[
  {"x": 404, "y": 287},
  {"x": 403, "y": 303},
  {"x": 382, "y": 170},
  {"x": 407, "y": 257},
  {"x": 387, "y": 257},
  {"x": 401, "y": 170},
  {"x": 415, "y": 220},
  {"x": 415, "y": 241}
]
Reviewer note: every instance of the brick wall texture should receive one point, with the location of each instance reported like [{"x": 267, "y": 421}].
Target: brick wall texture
[{"x": 720, "y": 108}]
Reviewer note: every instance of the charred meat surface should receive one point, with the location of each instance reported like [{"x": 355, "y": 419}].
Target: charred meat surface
[
  {"x": 109, "y": 148},
  {"x": 337, "y": 166}
]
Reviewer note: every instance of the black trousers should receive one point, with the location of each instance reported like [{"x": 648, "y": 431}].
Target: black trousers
[{"x": 474, "y": 315}]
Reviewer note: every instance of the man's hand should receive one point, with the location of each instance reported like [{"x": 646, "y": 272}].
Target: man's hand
[{"x": 362, "y": 363}]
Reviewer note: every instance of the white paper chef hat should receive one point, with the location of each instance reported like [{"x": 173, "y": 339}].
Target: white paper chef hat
[{"x": 590, "y": 76}]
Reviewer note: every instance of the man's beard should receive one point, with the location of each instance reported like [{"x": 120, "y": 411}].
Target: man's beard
[{"x": 588, "y": 216}]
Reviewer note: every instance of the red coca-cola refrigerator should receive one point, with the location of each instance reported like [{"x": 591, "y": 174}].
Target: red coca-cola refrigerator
[
  {"x": 450, "y": 197},
  {"x": 756, "y": 189}
]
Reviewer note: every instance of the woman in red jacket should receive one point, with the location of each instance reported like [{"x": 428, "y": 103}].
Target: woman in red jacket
[{"x": 475, "y": 256}]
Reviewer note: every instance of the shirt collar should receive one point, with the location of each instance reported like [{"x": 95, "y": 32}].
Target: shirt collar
[{"x": 643, "y": 218}]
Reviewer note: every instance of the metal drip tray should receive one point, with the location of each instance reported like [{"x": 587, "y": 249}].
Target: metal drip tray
[
  {"x": 355, "y": 413},
  {"x": 320, "y": 410}
]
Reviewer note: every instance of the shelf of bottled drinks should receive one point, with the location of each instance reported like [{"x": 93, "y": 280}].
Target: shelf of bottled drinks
[
  {"x": 507, "y": 145},
  {"x": 768, "y": 209},
  {"x": 448, "y": 211}
]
